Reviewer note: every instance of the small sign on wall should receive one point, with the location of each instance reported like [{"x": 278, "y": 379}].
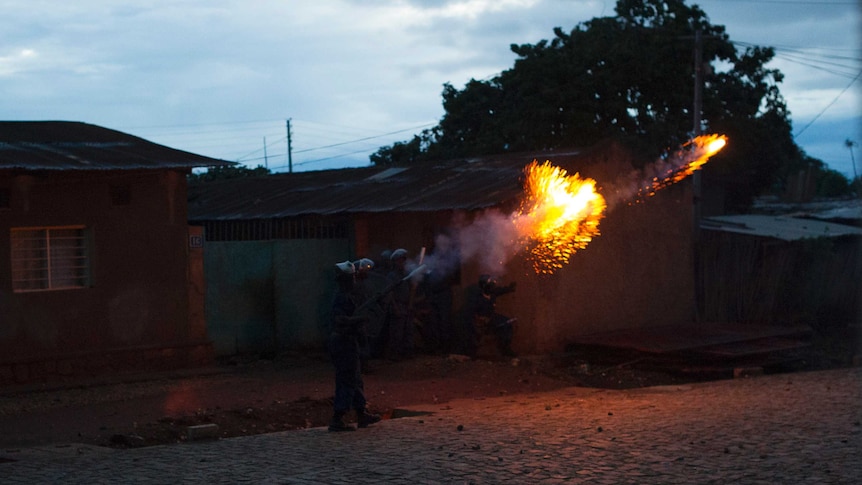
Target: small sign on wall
[{"x": 196, "y": 241}]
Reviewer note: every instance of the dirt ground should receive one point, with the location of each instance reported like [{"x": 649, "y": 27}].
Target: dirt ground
[{"x": 250, "y": 395}]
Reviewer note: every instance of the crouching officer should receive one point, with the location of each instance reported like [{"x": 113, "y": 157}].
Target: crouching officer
[
  {"x": 480, "y": 315},
  {"x": 348, "y": 330}
]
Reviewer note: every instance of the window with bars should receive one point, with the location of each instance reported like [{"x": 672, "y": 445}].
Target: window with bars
[{"x": 50, "y": 258}]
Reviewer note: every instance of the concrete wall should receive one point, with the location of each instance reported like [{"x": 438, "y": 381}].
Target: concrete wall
[
  {"x": 275, "y": 295},
  {"x": 638, "y": 273}
]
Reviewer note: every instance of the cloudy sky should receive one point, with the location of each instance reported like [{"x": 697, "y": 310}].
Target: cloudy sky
[{"x": 223, "y": 77}]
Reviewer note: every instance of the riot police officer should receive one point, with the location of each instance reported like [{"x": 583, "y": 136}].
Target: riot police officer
[
  {"x": 344, "y": 349},
  {"x": 480, "y": 316}
]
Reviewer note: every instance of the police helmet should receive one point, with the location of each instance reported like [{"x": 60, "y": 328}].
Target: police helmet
[
  {"x": 487, "y": 282},
  {"x": 346, "y": 267},
  {"x": 364, "y": 265}
]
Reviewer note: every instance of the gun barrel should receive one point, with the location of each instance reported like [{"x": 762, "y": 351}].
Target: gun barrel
[{"x": 389, "y": 288}]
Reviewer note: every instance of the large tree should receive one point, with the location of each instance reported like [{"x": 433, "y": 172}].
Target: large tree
[
  {"x": 630, "y": 77},
  {"x": 227, "y": 172}
]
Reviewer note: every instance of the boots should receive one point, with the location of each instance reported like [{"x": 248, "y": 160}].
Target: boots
[
  {"x": 338, "y": 424},
  {"x": 364, "y": 419}
]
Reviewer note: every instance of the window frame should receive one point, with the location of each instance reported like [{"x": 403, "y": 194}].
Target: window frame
[{"x": 77, "y": 261}]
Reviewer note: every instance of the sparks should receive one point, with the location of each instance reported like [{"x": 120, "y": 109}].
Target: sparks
[
  {"x": 690, "y": 158},
  {"x": 559, "y": 215}
]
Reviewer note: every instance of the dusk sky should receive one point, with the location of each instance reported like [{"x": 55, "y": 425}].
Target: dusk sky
[{"x": 222, "y": 77}]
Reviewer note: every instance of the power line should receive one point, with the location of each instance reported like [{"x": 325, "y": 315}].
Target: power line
[
  {"x": 363, "y": 139},
  {"x": 242, "y": 132},
  {"x": 245, "y": 158},
  {"x": 826, "y": 63},
  {"x": 327, "y": 158},
  {"x": 265, "y": 146},
  {"x": 215, "y": 123},
  {"x": 828, "y": 105},
  {"x": 806, "y": 58},
  {"x": 236, "y": 130},
  {"x": 814, "y": 65}
]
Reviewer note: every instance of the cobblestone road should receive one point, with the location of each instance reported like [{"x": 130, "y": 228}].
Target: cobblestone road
[{"x": 779, "y": 429}]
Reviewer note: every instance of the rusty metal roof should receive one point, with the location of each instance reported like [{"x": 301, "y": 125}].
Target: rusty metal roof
[
  {"x": 465, "y": 184},
  {"x": 68, "y": 145},
  {"x": 778, "y": 227}
]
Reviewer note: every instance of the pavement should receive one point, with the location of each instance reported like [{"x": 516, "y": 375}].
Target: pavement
[{"x": 772, "y": 429}]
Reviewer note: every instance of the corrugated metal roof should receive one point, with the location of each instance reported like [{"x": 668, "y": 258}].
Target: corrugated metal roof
[
  {"x": 778, "y": 227},
  {"x": 69, "y": 145},
  {"x": 844, "y": 210},
  {"x": 850, "y": 211},
  {"x": 466, "y": 184}
]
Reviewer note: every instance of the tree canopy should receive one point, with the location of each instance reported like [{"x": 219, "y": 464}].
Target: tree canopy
[
  {"x": 631, "y": 78},
  {"x": 227, "y": 172}
]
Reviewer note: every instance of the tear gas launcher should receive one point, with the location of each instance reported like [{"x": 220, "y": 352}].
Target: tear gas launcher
[{"x": 388, "y": 289}]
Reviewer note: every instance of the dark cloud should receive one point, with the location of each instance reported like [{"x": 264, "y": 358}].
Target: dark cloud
[{"x": 343, "y": 70}]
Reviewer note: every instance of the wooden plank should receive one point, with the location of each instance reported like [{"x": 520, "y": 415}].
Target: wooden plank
[
  {"x": 676, "y": 338},
  {"x": 754, "y": 348}
]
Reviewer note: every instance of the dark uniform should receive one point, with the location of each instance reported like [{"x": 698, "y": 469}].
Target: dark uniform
[
  {"x": 480, "y": 316},
  {"x": 367, "y": 288},
  {"x": 378, "y": 326},
  {"x": 436, "y": 311},
  {"x": 344, "y": 349},
  {"x": 400, "y": 315}
]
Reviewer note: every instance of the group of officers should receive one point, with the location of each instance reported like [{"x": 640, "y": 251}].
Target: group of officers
[
  {"x": 409, "y": 309},
  {"x": 384, "y": 309}
]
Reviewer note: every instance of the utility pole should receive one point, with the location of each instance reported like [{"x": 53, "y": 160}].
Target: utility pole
[
  {"x": 289, "y": 150},
  {"x": 697, "y": 128},
  {"x": 696, "y": 189},
  {"x": 856, "y": 183},
  {"x": 265, "y": 159},
  {"x": 850, "y": 144}
]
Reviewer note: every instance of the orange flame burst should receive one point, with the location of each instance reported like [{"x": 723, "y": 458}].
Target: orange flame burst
[{"x": 559, "y": 215}]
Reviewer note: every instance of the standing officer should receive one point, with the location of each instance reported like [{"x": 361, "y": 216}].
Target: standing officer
[
  {"x": 400, "y": 315},
  {"x": 367, "y": 286},
  {"x": 344, "y": 348}
]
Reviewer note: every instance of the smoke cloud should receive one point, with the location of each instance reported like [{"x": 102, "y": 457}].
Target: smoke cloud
[
  {"x": 670, "y": 168},
  {"x": 492, "y": 238}
]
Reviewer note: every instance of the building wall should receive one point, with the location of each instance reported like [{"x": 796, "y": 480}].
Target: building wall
[
  {"x": 768, "y": 281},
  {"x": 408, "y": 230},
  {"x": 135, "y": 312},
  {"x": 638, "y": 273},
  {"x": 272, "y": 295}
]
